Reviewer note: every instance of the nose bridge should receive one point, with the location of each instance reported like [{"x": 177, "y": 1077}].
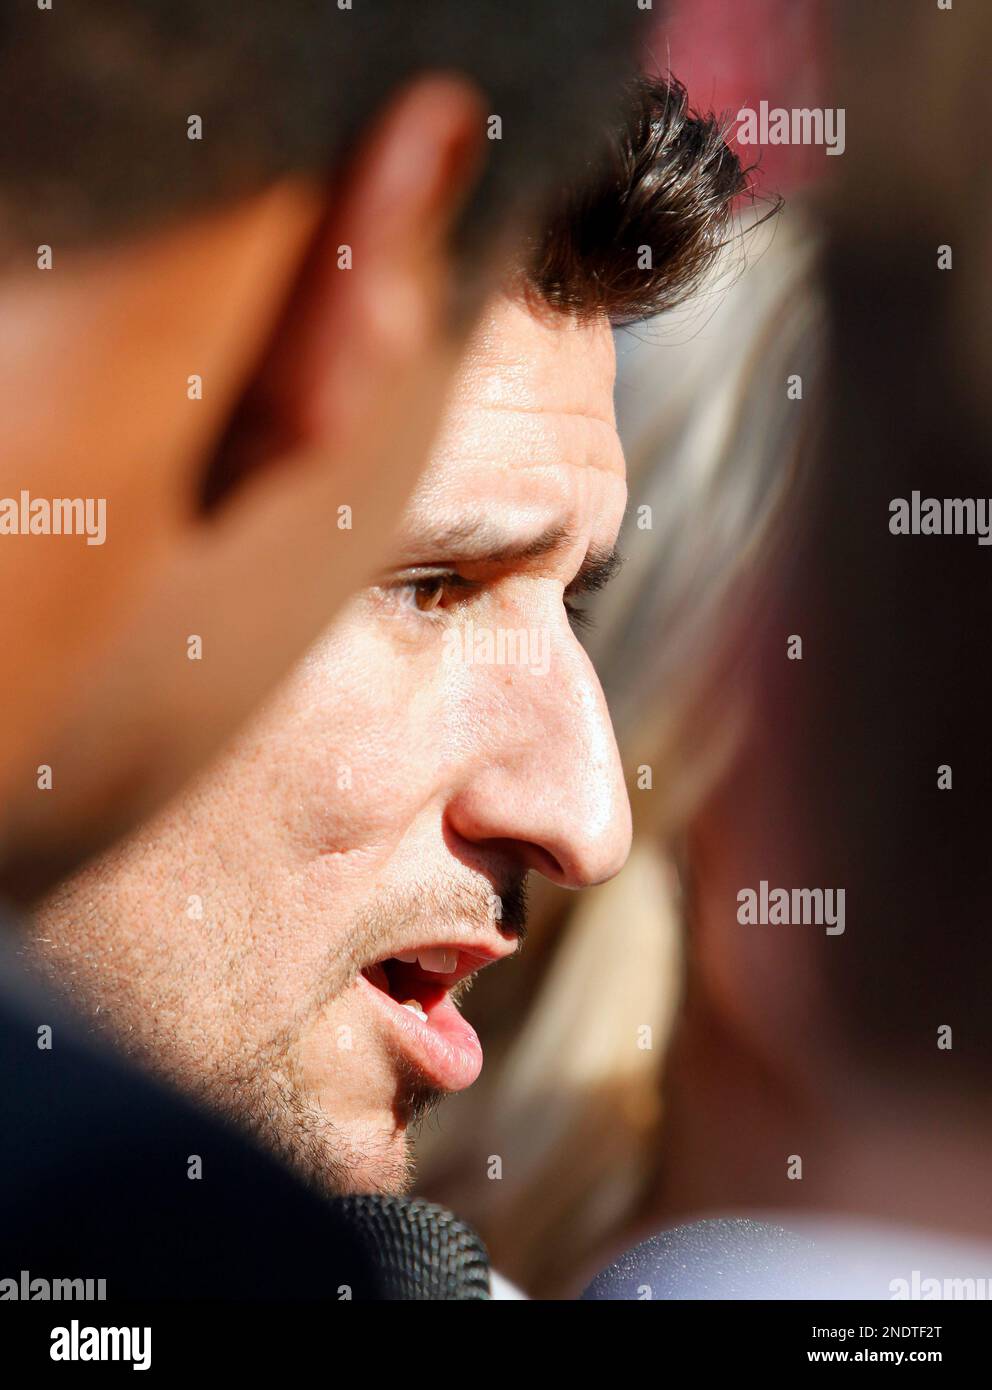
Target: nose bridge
[
  {"x": 555, "y": 776},
  {"x": 591, "y": 773}
]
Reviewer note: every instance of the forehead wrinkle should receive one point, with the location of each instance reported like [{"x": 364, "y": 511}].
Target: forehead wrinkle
[
  {"x": 546, "y": 412},
  {"x": 515, "y": 439}
]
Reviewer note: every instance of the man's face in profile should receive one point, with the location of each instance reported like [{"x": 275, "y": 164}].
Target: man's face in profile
[{"x": 286, "y": 940}]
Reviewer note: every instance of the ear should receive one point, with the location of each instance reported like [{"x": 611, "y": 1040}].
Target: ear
[{"x": 371, "y": 301}]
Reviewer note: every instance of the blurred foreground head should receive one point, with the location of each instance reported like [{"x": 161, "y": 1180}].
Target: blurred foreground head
[{"x": 239, "y": 250}]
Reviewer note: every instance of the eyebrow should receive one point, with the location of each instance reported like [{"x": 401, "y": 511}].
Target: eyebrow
[
  {"x": 595, "y": 572},
  {"x": 479, "y": 542}
]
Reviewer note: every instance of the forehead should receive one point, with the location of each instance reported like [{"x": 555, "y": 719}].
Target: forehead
[
  {"x": 530, "y": 420},
  {"x": 534, "y": 359}
]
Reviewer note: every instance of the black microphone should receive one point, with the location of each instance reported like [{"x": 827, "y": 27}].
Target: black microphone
[
  {"x": 723, "y": 1258},
  {"x": 419, "y": 1250}
]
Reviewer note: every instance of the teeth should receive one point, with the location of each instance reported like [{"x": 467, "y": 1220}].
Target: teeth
[
  {"x": 438, "y": 961},
  {"x": 414, "y": 1006},
  {"x": 407, "y": 957}
]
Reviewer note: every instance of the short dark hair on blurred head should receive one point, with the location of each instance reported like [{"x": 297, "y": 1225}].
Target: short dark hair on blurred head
[{"x": 95, "y": 100}]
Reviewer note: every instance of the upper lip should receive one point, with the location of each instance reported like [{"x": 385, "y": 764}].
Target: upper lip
[{"x": 475, "y": 950}]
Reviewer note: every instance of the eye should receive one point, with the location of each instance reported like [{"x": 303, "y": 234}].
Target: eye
[
  {"x": 427, "y": 593},
  {"x": 430, "y": 593}
]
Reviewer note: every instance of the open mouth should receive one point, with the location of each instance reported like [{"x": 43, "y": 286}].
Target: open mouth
[
  {"x": 421, "y": 980},
  {"x": 416, "y": 992}
]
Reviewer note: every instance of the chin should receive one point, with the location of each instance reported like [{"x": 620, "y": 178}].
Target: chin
[
  {"x": 393, "y": 1180},
  {"x": 382, "y": 1165},
  {"x": 344, "y": 1154}
]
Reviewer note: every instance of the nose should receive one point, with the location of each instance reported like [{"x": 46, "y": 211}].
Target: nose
[{"x": 542, "y": 780}]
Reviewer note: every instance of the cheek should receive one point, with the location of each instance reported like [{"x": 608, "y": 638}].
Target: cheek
[{"x": 360, "y": 749}]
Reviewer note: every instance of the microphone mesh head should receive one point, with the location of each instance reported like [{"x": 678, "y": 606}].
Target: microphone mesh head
[
  {"x": 420, "y": 1250},
  {"x": 720, "y": 1258}
]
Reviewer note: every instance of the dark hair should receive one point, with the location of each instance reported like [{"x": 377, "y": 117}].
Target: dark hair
[
  {"x": 636, "y": 236},
  {"x": 95, "y": 100}
]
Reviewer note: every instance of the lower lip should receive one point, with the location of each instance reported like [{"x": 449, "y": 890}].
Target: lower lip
[{"x": 445, "y": 1050}]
